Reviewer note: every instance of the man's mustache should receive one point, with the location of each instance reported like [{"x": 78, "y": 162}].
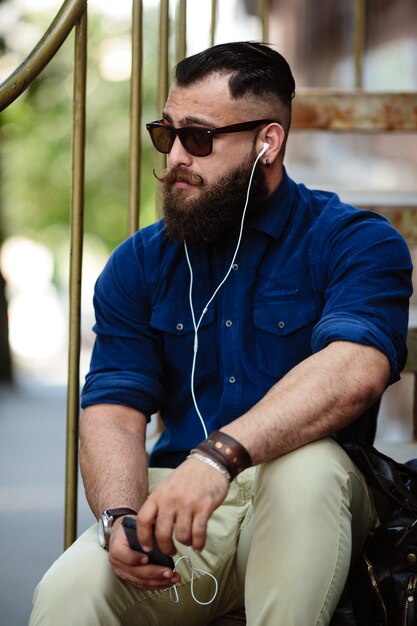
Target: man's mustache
[{"x": 179, "y": 175}]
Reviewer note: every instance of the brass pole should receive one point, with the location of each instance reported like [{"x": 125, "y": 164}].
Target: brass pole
[
  {"x": 163, "y": 55},
  {"x": 359, "y": 41},
  {"x": 160, "y": 159},
  {"x": 181, "y": 48},
  {"x": 77, "y": 215},
  {"x": 263, "y": 12},
  {"x": 45, "y": 49},
  {"x": 213, "y": 22},
  {"x": 135, "y": 116}
]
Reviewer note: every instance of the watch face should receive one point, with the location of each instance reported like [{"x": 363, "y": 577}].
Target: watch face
[
  {"x": 105, "y": 523},
  {"x": 101, "y": 532}
]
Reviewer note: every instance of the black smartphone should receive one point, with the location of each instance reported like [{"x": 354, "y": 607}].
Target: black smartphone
[{"x": 155, "y": 555}]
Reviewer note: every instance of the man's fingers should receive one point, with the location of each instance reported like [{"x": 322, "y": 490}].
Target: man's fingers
[
  {"x": 183, "y": 529},
  {"x": 163, "y": 579},
  {"x": 145, "y": 521},
  {"x": 199, "y": 532},
  {"x": 164, "y": 530}
]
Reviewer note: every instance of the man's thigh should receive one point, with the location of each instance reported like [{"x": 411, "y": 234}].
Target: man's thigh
[{"x": 312, "y": 511}]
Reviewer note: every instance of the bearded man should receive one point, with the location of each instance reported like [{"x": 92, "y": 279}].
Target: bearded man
[{"x": 262, "y": 321}]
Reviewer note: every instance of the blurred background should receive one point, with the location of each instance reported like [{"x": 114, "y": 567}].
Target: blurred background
[{"x": 35, "y": 170}]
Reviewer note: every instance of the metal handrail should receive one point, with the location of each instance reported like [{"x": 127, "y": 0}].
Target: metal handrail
[
  {"x": 263, "y": 13},
  {"x": 135, "y": 116},
  {"x": 162, "y": 82},
  {"x": 181, "y": 34},
  {"x": 76, "y": 254},
  {"x": 213, "y": 21},
  {"x": 16, "y": 83},
  {"x": 359, "y": 32},
  {"x": 72, "y": 15}
]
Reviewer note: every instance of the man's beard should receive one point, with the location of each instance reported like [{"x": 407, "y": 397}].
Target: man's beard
[{"x": 218, "y": 208}]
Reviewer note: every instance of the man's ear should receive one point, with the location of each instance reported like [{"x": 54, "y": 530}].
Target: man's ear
[{"x": 274, "y": 136}]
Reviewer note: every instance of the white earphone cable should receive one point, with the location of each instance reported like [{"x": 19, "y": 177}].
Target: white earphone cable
[
  {"x": 173, "y": 591},
  {"x": 196, "y": 325}
]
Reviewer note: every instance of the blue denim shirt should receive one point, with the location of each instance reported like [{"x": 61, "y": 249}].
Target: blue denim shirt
[{"x": 310, "y": 270}]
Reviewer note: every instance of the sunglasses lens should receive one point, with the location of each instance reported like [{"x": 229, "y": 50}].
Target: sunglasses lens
[
  {"x": 198, "y": 142},
  {"x": 162, "y": 138}
]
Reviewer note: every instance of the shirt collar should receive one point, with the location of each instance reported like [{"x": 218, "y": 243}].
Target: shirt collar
[{"x": 277, "y": 209}]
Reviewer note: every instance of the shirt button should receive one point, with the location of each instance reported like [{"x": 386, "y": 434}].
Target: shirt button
[
  {"x": 180, "y": 326},
  {"x": 229, "y": 323},
  {"x": 235, "y": 267},
  {"x": 281, "y": 324},
  {"x": 232, "y": 379}
]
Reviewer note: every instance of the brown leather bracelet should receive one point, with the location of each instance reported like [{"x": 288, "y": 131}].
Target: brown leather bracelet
[
  {"x": 235, "y": 456},
  {"x": 208, "y": 450}
]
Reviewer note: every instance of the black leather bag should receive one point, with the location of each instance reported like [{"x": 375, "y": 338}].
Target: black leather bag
[{"x": 383, "y": 582}]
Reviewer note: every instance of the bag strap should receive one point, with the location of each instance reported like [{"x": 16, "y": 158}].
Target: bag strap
[{"x": 395, "y": 481}]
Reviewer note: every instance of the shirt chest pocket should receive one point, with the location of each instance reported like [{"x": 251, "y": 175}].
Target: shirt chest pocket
[
  {"x": 175, "y": 326},
  {"x": 283, "y": 334}
]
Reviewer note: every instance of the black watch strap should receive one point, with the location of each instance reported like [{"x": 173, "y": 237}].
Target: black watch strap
[
  {"x": 115, "y": 513},
  {"x": 105, "y": 523}
]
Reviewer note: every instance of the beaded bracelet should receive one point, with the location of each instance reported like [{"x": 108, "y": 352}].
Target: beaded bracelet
[{"x": 194, "y": 454}]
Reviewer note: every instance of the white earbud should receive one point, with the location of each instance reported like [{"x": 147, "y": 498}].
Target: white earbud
[{"x": 264, "y": 149}]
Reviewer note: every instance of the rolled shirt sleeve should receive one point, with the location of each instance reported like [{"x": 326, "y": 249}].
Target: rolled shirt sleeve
[
  {"x": 368, "y": 288},
  {"x": 126, "y": 363}
]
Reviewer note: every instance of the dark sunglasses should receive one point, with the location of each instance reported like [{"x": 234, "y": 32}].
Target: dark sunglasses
[{"x": 196, "y": 140}]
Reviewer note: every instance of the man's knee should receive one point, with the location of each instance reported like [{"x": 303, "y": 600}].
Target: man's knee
[
  {"x": 306, "y": 474},
  {"x": 76, "y": 582}
]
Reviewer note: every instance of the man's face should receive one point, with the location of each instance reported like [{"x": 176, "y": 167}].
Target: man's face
[{"x": 205, "y": 196}]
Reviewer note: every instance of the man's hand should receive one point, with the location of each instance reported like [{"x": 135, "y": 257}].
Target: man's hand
[
  {"x": 184, "y": 500},
  {"x": 134, "y": 567}
]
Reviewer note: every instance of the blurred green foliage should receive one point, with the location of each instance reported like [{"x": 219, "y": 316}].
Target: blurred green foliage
[{"x": 35, "y": 143}]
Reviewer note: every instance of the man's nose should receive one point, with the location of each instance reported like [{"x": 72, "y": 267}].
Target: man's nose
[{"x": 179, "y": 155}]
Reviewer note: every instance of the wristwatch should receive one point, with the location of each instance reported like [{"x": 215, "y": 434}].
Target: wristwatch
[{"x": 105, "y": 524}]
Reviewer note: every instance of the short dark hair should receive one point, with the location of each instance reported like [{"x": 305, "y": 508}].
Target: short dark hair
[{"x": 255, "y": 69}]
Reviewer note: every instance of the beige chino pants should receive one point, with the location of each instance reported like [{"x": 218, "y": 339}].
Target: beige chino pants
[{"x": 280, "y": 545}]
